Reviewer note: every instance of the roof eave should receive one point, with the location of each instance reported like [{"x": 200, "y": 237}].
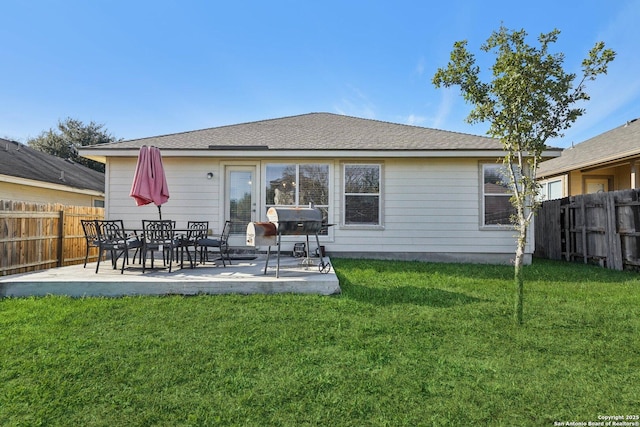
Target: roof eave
[
  {"x": 591, "y": 164},
  {"x": 102, "y": 155},
  {"x": 49, "y": 185}
]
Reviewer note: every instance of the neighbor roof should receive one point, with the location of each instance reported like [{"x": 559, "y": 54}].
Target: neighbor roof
[
  {"x": 617, "y": 144},
  {"x": 314, "y": 131},
  {"x": 21, "y": 161}
]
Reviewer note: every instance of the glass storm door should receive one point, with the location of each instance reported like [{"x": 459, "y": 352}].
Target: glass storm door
[{"x": 241, "y": 199}]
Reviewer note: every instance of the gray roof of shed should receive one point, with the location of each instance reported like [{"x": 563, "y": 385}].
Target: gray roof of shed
[
  {"x": 23, "y": 161},
  {"x": 314, "y": 131},
  {"x": 617, "y": 144}
]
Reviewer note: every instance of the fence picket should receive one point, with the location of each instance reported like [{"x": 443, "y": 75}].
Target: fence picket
[
  {"x": 601, "y": 228},
  {"x": 39, "y": 236}
]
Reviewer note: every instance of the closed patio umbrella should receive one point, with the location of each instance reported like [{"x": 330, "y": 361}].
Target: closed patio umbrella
[{"x": 149, "y": 182}]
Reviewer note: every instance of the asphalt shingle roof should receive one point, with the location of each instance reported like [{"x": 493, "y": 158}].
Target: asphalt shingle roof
[
  {"x": 619, "y": 143},
  {"x": 315, "y": 131},
  {"x": 24, "y": 162}
]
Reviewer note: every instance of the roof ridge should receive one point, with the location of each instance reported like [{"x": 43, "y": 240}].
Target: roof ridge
[
  {"x": 232, "y": 125},
  {"x": 214, "y": 127}
]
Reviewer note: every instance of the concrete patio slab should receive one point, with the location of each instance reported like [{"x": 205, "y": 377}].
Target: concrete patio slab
[{"x": 242, "y": 277}]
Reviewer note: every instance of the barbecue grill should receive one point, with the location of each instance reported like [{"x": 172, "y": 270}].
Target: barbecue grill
[{"x": 288, "y": 221}]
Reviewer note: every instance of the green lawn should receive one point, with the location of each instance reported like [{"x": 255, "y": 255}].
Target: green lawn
[{"x": 406, "y": 344}]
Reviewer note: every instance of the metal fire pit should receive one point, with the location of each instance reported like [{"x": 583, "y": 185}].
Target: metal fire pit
[{"x": 288, "y": 221}]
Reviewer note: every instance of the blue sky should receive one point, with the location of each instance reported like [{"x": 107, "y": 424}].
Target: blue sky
[{"x": 146, "y": 68}]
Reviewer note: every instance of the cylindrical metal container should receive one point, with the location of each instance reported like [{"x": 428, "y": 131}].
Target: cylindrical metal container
[
  {"x": 296, "y": 221},
  {"x": 261, "y": 234}
]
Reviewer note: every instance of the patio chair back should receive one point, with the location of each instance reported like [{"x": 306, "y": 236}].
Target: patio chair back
[
  {"x": 111, "y": 230},
  {"x": 156, "y": 235},
  {"x": 196, "y": 230},
  {"x": 221, "y": 243},
  {"x": 90, "y": 228},
  {"x": 113, "y": 238},
  {"x": 224, "y": 236}
]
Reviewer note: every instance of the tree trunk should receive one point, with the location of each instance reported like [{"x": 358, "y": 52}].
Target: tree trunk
[{"x": 519, "y": 277}]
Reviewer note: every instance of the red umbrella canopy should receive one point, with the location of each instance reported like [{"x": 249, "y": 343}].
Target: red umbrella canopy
[{"x": 149, "y": 182}]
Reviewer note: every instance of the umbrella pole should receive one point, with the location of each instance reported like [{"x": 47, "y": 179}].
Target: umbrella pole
[{"x": 159, "y": 212}]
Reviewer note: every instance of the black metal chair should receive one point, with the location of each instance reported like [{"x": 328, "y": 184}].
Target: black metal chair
[
  {"x": 158, "y": 235},
  {"x": 90, "y": 228},
  {"x": 221, "y": 243},
  {"x": 196, "y": 230},
  {"x": 113, "y": 238}
]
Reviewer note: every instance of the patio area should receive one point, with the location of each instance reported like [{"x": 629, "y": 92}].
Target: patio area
[{"x": 242, "y": 277}]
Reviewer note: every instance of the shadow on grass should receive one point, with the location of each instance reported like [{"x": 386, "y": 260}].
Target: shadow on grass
[
  {"x": 539, "y": 270},
  {"x": 430, "y": 297}
]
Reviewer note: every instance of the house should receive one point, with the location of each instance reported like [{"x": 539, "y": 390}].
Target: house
[
  {"x": 607, "y": 162},
  {"x": 30, "y": 175},
  {"x": 390, "y": 190}
]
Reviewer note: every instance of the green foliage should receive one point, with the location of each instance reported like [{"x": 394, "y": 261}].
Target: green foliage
[
  {"x": 70, "y": 135},
  {"x": 529, "y": 100},
  {"x": 405, "y": 344}
]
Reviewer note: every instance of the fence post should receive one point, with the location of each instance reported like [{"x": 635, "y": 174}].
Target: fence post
[
  {"x": 614, "y": 244},
  {"x": 61, "y": 239}
]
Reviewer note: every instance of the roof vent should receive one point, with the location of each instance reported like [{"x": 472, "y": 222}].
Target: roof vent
[
  {"x": 629, "y": 122},
  {"x": 61, "y": 176}
]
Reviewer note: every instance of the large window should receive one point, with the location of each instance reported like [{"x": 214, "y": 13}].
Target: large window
[
  {"x": 497, "y": 208},
  {"x": 362, "y": 191},
  {"x": 298, "y": 185}
]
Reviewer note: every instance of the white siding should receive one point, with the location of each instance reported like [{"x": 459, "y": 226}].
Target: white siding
[
  {"x": 430, "y": 206},
  {"x": 191, "y": 195}
]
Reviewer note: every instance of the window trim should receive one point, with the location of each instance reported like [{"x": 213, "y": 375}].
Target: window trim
[
  {"x": 380, "y": 194},
  {"x": 547, "y": 194},
  {"x": 482, "y": 195},
  {"x": 330, "y": 200}
]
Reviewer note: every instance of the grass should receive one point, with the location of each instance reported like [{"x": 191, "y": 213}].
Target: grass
[{"x": 406, "y": 344}]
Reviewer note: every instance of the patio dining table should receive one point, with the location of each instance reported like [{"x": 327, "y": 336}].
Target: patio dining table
[{"x": 183, "y": 238}]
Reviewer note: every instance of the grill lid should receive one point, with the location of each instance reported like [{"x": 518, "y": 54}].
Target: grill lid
[
  {"x": 295, "y": 220},
  {"x": 294, "y": 214}
]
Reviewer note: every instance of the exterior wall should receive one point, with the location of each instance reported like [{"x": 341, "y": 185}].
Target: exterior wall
[
  {"x": 575, "y": 182},
  {"x": 622, "y": 177},
  {"x": 431, "y": 211},
  {"x": 431, "y": 207},
  {"x": 28, "y": 193},
  {"x": 618, "y": 178},
  {"x": 191, "y": 195}
]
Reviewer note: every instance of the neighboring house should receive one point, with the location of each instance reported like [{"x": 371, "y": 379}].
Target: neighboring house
[
  {"x": 390, "y": 190},
  {"x": 607, "y": 162},
  {"x": 30, "y": 175}
]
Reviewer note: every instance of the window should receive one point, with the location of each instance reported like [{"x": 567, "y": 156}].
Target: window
[
  {"x": 298, "y": 185},
  {"x": 495, "y": 196},
  {"x": 554, "y": 190},
  {"x": 362, "y": 194}
]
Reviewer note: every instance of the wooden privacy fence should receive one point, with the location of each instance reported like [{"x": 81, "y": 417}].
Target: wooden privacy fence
[
  {"x": 37, "y": 236},
  {"x": 599, "y": 228}
]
